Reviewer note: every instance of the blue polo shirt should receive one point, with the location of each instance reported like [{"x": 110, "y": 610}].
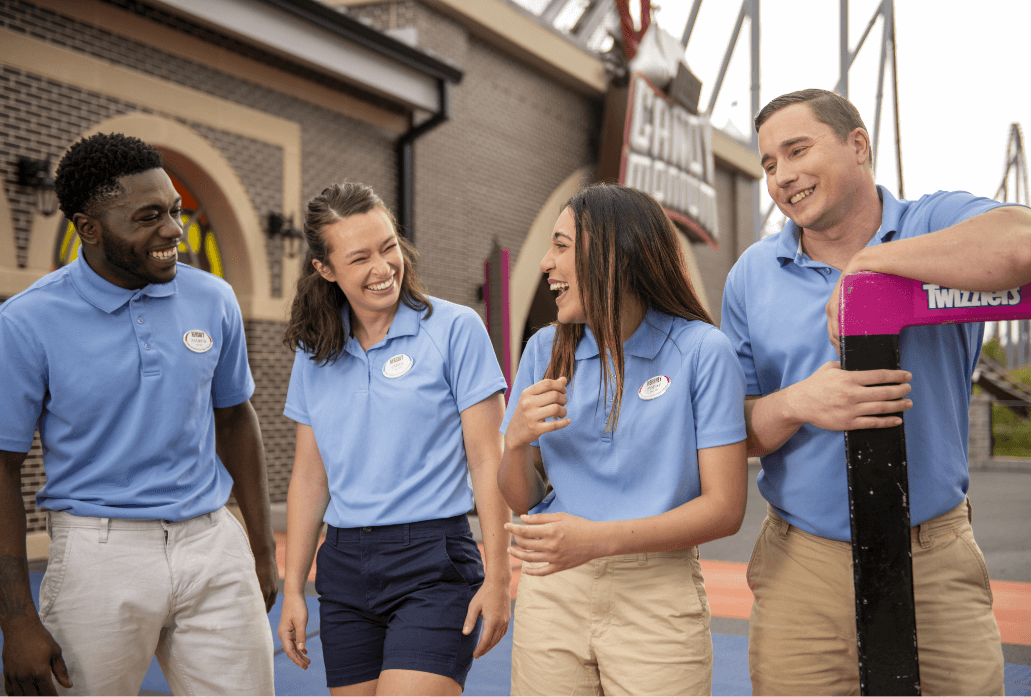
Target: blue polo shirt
[
  {"x": 387, "y": 421},
  {"x": 649, "y": 464},
  {"x": 773, "y": 313},
  {"x": 122, "y": 404}
]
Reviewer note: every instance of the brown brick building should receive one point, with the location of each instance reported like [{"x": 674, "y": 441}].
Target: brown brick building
[{"x": 259, "y": 104}]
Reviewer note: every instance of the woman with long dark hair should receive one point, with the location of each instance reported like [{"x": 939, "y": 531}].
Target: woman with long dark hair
[
  {"x": 394, "y": 394},
  {"x": 632, "y": 407}
]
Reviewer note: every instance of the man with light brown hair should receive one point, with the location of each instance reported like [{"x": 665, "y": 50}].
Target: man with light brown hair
[{"x": 779, "y": 306}]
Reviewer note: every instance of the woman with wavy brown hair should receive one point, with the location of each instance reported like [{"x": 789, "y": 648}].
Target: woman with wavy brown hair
[
  {"x": 611, "y": 599},
  {"x": 397, "y": 398}
]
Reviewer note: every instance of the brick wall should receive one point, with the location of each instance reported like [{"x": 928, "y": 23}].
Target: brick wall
[
  {"x": 512, "y": 138},
  {"x": 265, "y": 350}
]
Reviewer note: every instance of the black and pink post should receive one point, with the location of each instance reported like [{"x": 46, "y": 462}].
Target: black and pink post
[{"x": 874, "y": 308}]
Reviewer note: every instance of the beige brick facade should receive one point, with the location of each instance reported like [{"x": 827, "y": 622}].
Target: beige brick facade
[{"x": 512, "y": 137}]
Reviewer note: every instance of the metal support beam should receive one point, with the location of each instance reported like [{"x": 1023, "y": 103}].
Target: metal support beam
[
  {"x": 690, "y": 23},
  {"x": 591, "y": 19},
  {"x": 844, "y": 60},
  {"x": 886, "y": 12},
  {"x": 552, "y": 10}
]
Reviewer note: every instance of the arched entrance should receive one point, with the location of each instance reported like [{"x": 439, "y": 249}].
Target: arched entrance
[
  {"x": 198, "y": 247},
  {"x": 532, "y": 305},
  {"x": 203, "y": 172}
]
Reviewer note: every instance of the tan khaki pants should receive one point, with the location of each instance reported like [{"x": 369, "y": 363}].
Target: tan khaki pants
[
  {"x": 118, "y": 592},
  {"x": 631, "y": 625},
  {"x": 802, "y": 633}
]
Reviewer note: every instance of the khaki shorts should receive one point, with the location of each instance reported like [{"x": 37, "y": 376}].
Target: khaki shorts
[
  {"x": 634, "y": 625},
  {"x": 118, "y": 592},
  {"x": 802, "y": 633}
]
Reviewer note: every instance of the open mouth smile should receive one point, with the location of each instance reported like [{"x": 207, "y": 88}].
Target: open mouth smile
[
  {"x": 801, "y": 195},
  {"x": 385, "y": 285},
  {"x": 163, "y": 254}
]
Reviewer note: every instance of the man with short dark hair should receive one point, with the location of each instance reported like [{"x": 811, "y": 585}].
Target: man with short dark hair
[
  {"x": 133, "y": 369},
  {"x": 779, "y": 305}
]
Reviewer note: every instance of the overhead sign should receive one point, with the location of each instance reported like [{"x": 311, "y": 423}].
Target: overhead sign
[{"x": 667, "y": 152}]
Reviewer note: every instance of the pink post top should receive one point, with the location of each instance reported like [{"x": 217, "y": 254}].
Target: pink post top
[{"x": 878, "y": 303}]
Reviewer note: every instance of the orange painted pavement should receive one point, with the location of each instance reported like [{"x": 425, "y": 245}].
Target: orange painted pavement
[
  {"x": 729, "y": 595},
  {"x": 1012, "y": 606}
]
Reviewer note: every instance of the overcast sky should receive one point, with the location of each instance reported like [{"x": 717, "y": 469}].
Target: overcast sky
[{"x": 962, "y": 73}]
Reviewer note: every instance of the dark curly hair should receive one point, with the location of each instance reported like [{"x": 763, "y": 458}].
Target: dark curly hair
[{"x": 88, "y": 173}]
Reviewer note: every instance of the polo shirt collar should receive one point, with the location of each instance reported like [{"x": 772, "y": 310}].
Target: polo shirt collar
[
  {"x": 891, "y": 215},
  {"x": 645, "y": 342},
  {"x": 106, "y": 296},
  {"x": 789, "y": 242},
  {"x": 405, "y": 323}
]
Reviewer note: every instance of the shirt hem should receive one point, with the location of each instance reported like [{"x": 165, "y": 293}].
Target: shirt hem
[
  {"x": 721, "y": 439},
  {"x": 16, "y": 446},
  {"x": 233, "y": 399},
  {"x": 480, "y": 395},
  {"x": 297, "y": 416}
]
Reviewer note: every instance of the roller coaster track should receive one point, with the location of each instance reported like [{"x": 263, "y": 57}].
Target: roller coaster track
[{"x": 993, "y": 377}]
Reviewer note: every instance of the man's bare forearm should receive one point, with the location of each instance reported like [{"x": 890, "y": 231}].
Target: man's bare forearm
[
  {"x": 239, "y": 445},
  {"x": 15, "y": 596},
  {"x": 767, "y": 424}
]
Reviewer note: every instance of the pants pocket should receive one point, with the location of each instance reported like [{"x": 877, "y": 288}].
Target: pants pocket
[
  {"x": 464, "y": 558},
  {"x": 57, "y": 567},
  {"x": 756, "y": 558},
  {"x": 971, "y": 546}
]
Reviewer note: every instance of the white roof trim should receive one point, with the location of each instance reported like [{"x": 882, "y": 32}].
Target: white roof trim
[{"x": 306, "y": 43}]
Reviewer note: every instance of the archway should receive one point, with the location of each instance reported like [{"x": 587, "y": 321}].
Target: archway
[
  {"x": 531, "y": 302},
  {"x": 193, "y": 160}
]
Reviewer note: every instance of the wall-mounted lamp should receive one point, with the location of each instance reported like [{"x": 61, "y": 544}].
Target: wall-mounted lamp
[
  {"x": 283, "y": 227},
  {"x": 35, "y": 174}
]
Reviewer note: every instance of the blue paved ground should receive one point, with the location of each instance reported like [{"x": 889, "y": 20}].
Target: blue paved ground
[{"x": 490, "y": 675}]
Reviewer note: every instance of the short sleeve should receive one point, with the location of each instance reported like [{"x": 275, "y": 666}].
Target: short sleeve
[
  {"x": 296, "y": 404},
  {"x": 473, "y": 370},
  {"x": 718, "y": 393},
  {"x": 734, "y": 325},
  {"x": 525, "y": 376},
  {"x": 948, "y": 208},
  {"x": 23, "y": 383},
  {"x": 232, "y": 383}
]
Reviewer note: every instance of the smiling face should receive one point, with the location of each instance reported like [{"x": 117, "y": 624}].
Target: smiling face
[
  {"x": 364, "y": 261},
  {"x": 132, "y": 242},
  {"x": 560, "y": 265},
  {"x": 815, "y": 179}
]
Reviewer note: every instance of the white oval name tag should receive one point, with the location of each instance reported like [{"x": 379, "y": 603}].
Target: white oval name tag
[
  {"x": 653, "y": 387},
  {"x": 197, "y": 341},
  {"x": 397, "y": 366}
]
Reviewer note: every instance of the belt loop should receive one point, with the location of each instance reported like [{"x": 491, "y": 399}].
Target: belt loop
[
  {"x": 406, "y": 532},
  {"x": 642, "y": 559},
  {"x": 50, "y": 529},
  {"x": 784, "y": 529},
  {"x": 103, "y": 529},
  {"x": 924, "y": 535},
  {"x": 970, "y": 511}
]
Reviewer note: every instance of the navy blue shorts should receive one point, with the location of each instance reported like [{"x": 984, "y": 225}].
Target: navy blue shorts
[{"x": 395, "y": 597}]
